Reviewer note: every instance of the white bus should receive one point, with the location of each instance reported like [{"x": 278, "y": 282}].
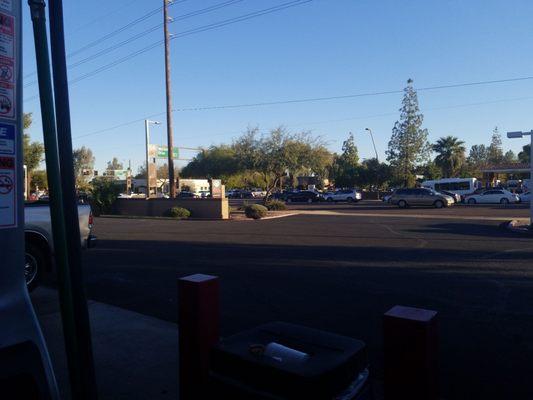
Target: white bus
[{"x": 462, "y": 186}]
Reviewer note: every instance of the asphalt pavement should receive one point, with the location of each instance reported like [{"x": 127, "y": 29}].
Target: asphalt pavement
[{"x": 339, "y": 267}]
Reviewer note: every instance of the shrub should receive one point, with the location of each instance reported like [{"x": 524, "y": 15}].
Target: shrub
[
  {"x": 255, "y": 211},
  {"x": 178, "y": 213},
  {"x": 275, "y": 205},
  {"x": 103, "y": 194}
]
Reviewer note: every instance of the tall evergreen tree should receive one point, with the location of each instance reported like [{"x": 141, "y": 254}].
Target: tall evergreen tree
[
  {"x": 495, "y": 150},
  {"x": 408, "y": 146},
  {"x": 450, "y": 155},
  {"x": 525, "y": 155},
  {"x": 344, "y": 169}
]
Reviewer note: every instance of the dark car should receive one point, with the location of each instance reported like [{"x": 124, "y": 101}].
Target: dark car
[
  {"x": 305, "y": 196},
  {"x": 185, "y": 195}
]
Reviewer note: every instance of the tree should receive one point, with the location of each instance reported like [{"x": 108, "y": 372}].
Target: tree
[
  {"x": 83, "y": 162},
  {"x": 525, "y": 155},
  {"x": 344, "y": 171},
  {"x": 141, "y": 172},
  {"x": 278, "y": 153},
  {"x": 408, "y": 146},
  {"x": 216, "y": 161},
  {"x": 478, "y": 155},
  {"x": 33, "y": 151},
  {"x": 373, "y": 174},
  {"x": 495, "y": 151},
  {"x": 510, "y": 157},
  {"x": 39, "y": 180},
  {"x": 429, "y": 171},
  {"x": 114, "y": 165},
  {"x": 162, "y": 171},
  {"x": 450, "y": 155}
]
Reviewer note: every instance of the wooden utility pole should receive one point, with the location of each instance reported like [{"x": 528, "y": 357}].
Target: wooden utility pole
[{"x": 170, "y": 130}]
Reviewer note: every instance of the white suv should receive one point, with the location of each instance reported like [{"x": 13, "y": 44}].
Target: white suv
[{"x": 349, "y": 195}]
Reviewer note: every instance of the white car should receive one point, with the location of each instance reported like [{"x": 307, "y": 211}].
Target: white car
[
  {"x": 492, "y": 196},
  {"x": 525, "y": 197},
  {"x": 350, "y": 195}
]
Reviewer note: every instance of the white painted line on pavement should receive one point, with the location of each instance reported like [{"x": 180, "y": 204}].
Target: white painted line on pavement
[{"x": 419, "y": 216}]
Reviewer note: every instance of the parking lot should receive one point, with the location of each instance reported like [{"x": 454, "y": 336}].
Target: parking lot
[{"x": 339, "y": 267}]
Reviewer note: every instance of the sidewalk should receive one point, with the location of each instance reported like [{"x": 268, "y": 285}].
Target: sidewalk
[{"x": 136, "y": 356}]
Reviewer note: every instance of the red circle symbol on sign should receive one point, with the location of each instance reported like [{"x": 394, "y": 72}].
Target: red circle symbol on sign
[{"x": 6, "y": 184}]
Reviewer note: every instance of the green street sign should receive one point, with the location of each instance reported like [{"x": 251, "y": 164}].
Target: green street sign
[{"x": 162, "y": 152}]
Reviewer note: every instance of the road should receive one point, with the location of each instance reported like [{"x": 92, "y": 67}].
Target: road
[{"x": 339, "y": 268}]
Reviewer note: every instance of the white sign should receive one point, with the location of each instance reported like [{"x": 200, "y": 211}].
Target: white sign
[{"x": 8, "y": 197}]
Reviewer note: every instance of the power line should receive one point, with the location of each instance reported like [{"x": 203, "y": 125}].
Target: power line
[
  {"x": 467, "y": 84},
  {"x": 204, "y": 28},
  {"x": 134, "y": 37},
  {"x": 110, "y": 34},
  {"x": 349, "y": 96}
]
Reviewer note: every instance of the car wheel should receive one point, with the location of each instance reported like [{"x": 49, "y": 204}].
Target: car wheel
[
  {"x": 34, "y": 266},
  {"x": 504, "y": 201},
  {"x": 471, "y": 201},
  {"x": 438, "y": 204},
  {"x": 329, "y": 199},
  {"x": 309, "y": 200},
  {"x": 350, "y": 199},
  {"x": 402, "y": 204}
]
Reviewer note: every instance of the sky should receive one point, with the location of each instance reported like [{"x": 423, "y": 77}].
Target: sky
[{"x": 315, "y": 49}]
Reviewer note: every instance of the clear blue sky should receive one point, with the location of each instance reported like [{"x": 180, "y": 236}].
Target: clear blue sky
[{"x": 321, "y": 48}]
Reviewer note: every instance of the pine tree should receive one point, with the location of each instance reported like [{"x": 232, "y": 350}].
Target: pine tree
[
  {"x": 408, "y": 146},
  {"x": 344, "y": 169},
  {"x": 495, "y": 149}
]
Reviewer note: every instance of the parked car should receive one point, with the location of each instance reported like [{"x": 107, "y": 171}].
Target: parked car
[
  {"x": 420, "y": 197},
  {"x": 457, "y": 198},
  {"x": 240, "y": 194},
  {"x": 39, "y": 242},
  {"x": 305, "y": 196},
  {"x": 349, "y": 195},
  {"x": 493, "y": 196},
  {"x": 386, "y": 198},
  {"x": 186, "y": 195},
  {"x": 525, "y": 197}
]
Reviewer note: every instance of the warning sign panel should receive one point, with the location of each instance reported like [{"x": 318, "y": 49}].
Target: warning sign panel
[
  {"x": 7, "y": 66},
  {"x": 7, "y": 139},
  {"x": 6, "y": 5},
  {"x": 8, "y": 198}
]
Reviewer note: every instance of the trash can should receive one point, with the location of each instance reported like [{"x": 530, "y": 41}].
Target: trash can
[{"x": 285, "y": 361}]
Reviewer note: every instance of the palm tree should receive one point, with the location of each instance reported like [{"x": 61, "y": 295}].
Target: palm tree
[{"x": 451, "y": 155}]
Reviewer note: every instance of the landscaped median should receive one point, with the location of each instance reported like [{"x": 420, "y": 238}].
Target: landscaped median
[
  {"x": 271, "y": 210},
  {"x": 199, "y": 208}
]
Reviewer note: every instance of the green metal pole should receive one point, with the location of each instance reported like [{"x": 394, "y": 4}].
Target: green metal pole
[{"x": 56, "y": 197}]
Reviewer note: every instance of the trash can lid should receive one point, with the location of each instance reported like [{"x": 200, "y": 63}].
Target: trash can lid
[{"x": 332, "y": 363}]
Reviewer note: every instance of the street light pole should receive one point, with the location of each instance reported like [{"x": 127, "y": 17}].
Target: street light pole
[
  {"x": 520, "y": 134},
  {"x": 375, "y": 151},
  {"x": 373, "y": 143},
  {"x": 147, "y": 123}
]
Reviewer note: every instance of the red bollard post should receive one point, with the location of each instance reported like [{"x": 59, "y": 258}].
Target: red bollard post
[
  {"x": 410, "y": 349},
  {"x": 198, "y": 324}
]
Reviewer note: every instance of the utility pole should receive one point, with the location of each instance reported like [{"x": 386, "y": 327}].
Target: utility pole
[{"x": 170, "y": 130}]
